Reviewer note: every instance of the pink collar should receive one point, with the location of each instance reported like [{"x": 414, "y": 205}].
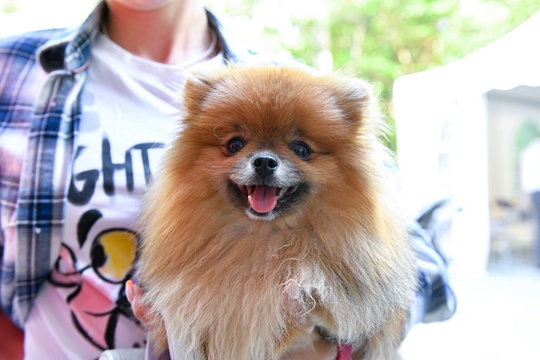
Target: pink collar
[{"x": 344, "y": 352}]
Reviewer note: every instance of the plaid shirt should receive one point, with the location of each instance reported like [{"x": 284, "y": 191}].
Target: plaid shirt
[{"x": 42, "y": 74}]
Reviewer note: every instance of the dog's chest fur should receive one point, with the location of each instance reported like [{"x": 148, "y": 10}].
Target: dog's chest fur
[{"x": 257, "y": 284}]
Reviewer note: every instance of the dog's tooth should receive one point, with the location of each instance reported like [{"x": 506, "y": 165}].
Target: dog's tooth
[{"x": 249, "y": 200}]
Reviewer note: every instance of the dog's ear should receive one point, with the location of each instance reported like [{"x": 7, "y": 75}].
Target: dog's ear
[
  {"x": 354, "y": 97},
  {"x": 196, "y": 90}
]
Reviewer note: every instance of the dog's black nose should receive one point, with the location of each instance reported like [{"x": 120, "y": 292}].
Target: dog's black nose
[{"x": 265, "y": 165}]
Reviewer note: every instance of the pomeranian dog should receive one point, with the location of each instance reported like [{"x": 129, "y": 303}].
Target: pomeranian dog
[{"x": 275, "y": 208}]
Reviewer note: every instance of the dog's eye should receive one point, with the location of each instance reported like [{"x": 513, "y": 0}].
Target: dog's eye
[
  {"x": 301, "y": 149},
  {"x": 235, "y": 145}
]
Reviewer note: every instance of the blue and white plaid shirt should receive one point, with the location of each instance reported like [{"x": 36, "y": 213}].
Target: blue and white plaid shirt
[{"x": 41, "y": 77}]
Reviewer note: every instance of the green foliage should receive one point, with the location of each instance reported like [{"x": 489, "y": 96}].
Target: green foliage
[{"x": 8, "y": 7}]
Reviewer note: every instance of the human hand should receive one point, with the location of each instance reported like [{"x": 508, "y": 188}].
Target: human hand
[{"x": 134, "y": 294}]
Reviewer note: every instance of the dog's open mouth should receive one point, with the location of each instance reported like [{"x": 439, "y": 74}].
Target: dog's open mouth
[{"x": 264, "y": 199}]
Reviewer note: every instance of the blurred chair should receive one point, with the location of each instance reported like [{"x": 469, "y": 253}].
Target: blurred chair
[{"x": 511, "y": 232}]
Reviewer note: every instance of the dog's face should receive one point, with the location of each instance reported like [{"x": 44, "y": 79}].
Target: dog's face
[
  {"x": 267, "y": 181},
  {"x": 272, "y": 138}
]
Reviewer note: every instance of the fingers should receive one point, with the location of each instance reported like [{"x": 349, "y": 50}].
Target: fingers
[
  {"x": 134, "y": 295},
  {"x": 129, "y": 290}
]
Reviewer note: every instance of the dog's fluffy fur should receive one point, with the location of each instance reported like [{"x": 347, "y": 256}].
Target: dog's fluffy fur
[{"x": 235, "y": 276}]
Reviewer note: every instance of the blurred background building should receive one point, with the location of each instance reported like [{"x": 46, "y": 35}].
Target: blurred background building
[{"x": 460, "y": 132}]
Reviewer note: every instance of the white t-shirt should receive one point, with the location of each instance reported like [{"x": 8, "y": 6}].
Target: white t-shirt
[{"x": 130, "y": 112}]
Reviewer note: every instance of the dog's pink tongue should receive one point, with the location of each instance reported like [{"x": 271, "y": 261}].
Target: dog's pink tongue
[{"x": 263, "y": 199}]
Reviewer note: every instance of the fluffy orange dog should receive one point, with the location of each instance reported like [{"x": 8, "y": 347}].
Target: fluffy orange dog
[{"x": 276, "y": 208}]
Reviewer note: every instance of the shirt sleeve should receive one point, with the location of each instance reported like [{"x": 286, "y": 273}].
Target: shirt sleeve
[{"x": 435, "y": 299}]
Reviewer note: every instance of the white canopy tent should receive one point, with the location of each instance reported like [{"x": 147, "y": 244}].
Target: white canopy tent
[{"x": 442, "y": 131}]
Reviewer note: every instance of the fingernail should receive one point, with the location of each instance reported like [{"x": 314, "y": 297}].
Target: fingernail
[{"x": 129, "y": 290}]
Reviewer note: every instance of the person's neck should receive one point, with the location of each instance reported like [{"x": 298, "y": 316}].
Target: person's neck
[{"x": 173, "y": 34}]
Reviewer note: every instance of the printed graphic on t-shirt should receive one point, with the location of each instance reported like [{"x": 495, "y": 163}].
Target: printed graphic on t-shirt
[
  {"x": 90, "y": 177},
  {"x": 94, "y": 315},
  {"x": 108, "y": 253}
]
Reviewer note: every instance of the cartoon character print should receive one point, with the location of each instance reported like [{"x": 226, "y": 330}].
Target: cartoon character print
[
  {"x": 107, "y": 174},
  {"x": 112, "y": 253}
]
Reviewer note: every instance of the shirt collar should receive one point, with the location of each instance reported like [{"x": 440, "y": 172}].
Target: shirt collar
[{"x": 71, "y": 50}]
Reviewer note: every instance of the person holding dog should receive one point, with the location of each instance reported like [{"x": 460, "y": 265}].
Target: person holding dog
[{"x": 85, "y": 115}]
